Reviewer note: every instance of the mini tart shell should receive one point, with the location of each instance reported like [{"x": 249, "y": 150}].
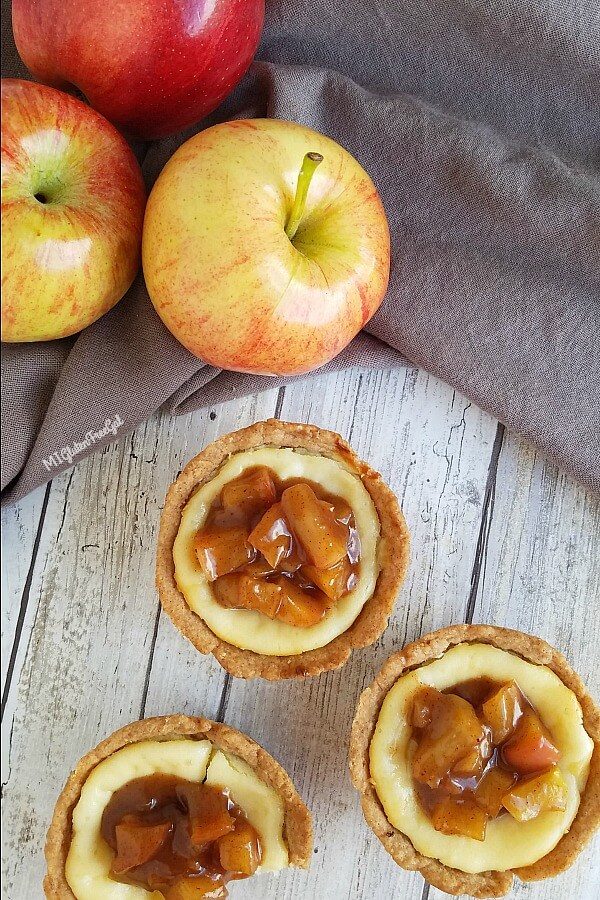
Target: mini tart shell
[
  {"x": 392, "y": 557},
  {"x": 297, "y": 819},
  {"x": 428, "y": 648}
]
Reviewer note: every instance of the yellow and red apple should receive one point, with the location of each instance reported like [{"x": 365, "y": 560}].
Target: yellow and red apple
[
  {"x": 255, "y": 267},
  {"x": 150, "y": 66},
  {"x": 72, "y": 210}
]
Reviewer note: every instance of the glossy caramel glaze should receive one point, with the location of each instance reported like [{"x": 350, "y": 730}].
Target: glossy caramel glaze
[
  {"x": 175, "y": 836},
  {"x": 284, "y": 548},
  {"x": 480, "y": 751}
]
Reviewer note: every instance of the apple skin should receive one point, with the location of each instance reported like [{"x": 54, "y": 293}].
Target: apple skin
[
  {"x": 223, "y": 275},
  {"x": 150, "y": 66},
  {"x": 70, "y": 255}
]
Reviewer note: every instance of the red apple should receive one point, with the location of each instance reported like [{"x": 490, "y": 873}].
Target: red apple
[
  {"x": 72, "y": 210},
  {"x": 151, "y": 66},
  {"x": 266, "y": 247}
]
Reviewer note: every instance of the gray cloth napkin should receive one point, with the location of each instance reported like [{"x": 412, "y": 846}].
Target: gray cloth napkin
[{"x": 480, "y": 124}]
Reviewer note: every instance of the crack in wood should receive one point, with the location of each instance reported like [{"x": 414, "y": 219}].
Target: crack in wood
[
  {"x": 64, "y": 509},
  {"x": 279, "y": 402},
  {"x": 224, "y": 698},
  {"x": 24, "y": 603},
  {"x": 487, "y": 514},
  {"x": 150, "y": 661},
  {"x": 357, "y": 396}
]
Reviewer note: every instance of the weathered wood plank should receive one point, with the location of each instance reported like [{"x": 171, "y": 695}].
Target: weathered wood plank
[
  {"x": 433, "y": 448},
  {"x": 542, "y": 571},
  {"x": 20, "y": 527}
]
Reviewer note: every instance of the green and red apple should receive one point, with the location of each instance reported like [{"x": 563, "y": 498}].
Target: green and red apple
[
  {"x": 266, "y": 247},
  {"x": 72, "y": 211}
]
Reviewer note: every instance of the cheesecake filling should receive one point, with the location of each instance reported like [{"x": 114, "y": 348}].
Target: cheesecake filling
[
  {"x": 286, "y": 549},
  {"x": 172, "y": 820},
  {"x": 485, "y": 774},
  {"x": 278, "y": 553}
]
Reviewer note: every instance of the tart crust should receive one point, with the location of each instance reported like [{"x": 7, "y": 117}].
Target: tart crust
[
  {"x": 297, "y": 819},
  {"x": 433, "y": 646},
  {"x": 393, "y": 553}
]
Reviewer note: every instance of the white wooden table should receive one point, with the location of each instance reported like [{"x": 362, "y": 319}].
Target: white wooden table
[{"x": 499, "y": 535}]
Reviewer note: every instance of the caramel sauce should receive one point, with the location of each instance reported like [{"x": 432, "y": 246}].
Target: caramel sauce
[
  {"x": 303, "y": 542},
  {"x": 480, "y": 721},
  {"x": 177, "y": 828},
  {"x": 458, "y": 787},
  {"x": 476, "y": 690}
]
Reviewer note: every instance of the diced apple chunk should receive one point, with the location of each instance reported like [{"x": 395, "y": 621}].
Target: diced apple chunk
[
  {"x": 137, "y": 843},
  {"x": 260, "y": 568},
  {"x": 423, "y": 703},
  {"x": 254, "y": 491},
  {"x": 204, "y": 830},
  {"x": 527, "y": 799},
  {"x": 453, "y": 732},
  {"x": 334, "y": 582},
  {"x": 454, "y": 786},
  {"x": 240, "y": 591},
  {"x": 239, "y": 852},
  {"x": 227, "y": 590},
  {"x": 341, "y": 510},
  {"x": 470, "y": 765},
  {"x": 503, "y": 710},
  {"x": 321, "y": 536},
  {"x": 222, "y": 550},
  {"x": 263, "y": 596},
  {"x": 208, "y": 809},
  {"x": 298, "y": 607},
  {"x": 198, "y": 887},
  {"x": 474, "y": 762},
  {"x": 464, "y": 817},
  {"x": 530, "y": 749},
  {"x": 492, "y": 788},
  {"x": 272, "y": 536}
]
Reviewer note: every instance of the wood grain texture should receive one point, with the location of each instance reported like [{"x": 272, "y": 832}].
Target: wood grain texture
[
  {"x": 21, "y": 531},
  {"x": 498, "y": 534}
]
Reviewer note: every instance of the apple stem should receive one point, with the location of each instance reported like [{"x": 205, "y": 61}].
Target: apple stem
[{"x": 309, "y": 165}]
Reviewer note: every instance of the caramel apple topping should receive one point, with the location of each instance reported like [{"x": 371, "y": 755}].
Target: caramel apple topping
[
  {"x": 283, "y": 548},
  {"x": 480, "y": 750},
  {"x": 185, "y": 839}
]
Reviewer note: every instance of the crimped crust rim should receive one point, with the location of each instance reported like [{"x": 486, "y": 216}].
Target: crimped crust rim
[
  {"x": 426, "y": 649},
  {"x": 393, "y": 553},
  {"x": 297, "y": 818}
]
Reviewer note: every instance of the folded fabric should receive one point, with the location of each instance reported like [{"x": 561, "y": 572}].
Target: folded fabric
[{"x": 480, "y": 125}]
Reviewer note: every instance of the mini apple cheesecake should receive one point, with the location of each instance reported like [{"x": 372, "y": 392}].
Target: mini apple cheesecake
[
  {"x": 173, "y": 808},
  {"x": 280, "y": 551},
  {"x": 476, "y": 752}
]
